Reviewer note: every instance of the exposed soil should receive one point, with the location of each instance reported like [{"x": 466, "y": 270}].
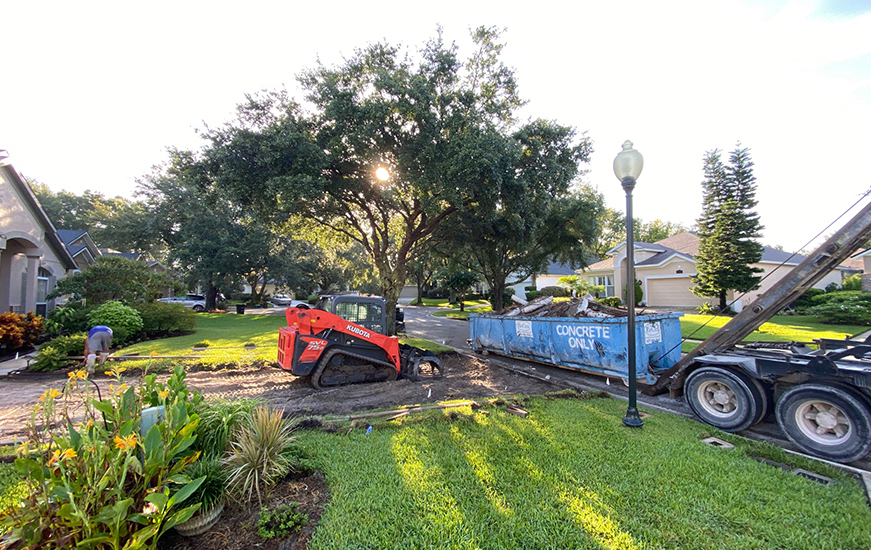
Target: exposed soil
[
  {"x": 465, "y": 377},
  {"x": 237, "y": 526}
]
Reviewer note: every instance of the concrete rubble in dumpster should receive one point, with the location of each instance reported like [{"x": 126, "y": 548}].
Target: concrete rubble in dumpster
[{"x": 544, "y": 306}]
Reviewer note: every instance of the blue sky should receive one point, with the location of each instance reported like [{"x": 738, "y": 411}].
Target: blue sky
[{"x": 94, "y": 92}]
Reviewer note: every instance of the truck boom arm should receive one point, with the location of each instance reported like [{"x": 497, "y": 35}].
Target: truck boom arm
[{"x": 824, "y": 259}]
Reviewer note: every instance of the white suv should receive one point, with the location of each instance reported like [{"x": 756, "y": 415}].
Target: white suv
[{"x": 197, "y": 302}]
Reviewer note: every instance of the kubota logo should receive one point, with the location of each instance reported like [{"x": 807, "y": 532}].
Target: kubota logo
[{"x": 358, "y": 330}]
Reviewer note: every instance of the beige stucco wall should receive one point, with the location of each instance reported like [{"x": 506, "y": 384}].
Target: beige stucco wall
[{"x": 23, "y": 251}]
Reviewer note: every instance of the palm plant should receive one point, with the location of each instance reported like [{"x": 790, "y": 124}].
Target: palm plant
[{"x": 257, "y": 458}]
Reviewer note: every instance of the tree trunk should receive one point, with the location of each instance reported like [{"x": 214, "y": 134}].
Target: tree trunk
[
  {"x": 211, "y": 292},
  {"x": 498, "y": 290},
  {"x": 392, "y": 281},
  {"x": 723, "y": 305}
]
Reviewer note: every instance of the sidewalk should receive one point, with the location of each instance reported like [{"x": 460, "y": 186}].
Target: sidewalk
[{"x": 12, "y": 365}]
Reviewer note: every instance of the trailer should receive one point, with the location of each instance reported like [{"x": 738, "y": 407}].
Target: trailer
[{"x": 821, "y": 397}]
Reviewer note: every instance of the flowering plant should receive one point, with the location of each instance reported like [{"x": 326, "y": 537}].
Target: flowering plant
[{"x": 96, "y": 480}]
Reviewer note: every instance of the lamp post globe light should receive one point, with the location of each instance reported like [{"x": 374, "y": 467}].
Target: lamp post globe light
[{"x": 627, "y": 167}]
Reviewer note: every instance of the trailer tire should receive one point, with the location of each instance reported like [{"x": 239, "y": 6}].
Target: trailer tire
[
  {"x": 826, "y": 421},
  {"x": 726, "y": 399}
]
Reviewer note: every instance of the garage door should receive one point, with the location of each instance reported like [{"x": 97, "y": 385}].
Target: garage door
[{"x": 671, "y": 292}]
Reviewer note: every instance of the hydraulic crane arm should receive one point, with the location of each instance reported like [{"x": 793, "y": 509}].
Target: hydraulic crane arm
[{"x": 840, "y": 246}]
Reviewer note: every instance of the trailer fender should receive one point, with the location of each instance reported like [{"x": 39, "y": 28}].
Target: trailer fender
[{"x": 747, "y": 364}]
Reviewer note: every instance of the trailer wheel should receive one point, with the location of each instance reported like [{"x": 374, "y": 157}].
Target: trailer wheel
[
  {"x": 826, "y": 421},
  {"x": 727, "y": 399}
]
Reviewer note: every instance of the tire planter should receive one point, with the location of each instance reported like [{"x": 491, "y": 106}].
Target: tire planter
[{"x": 200, "y": 522}]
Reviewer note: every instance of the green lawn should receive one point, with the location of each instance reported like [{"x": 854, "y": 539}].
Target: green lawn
[
  {"x": 227, "y": 335},
  {"x": 571, "y": 476},
  {"x": 462, "y": 315},
  {"x": 781, "y": 328},
  {"x": 443, "y": 302}
]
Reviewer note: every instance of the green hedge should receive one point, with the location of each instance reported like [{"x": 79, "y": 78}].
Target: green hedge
[
  {"x": 53, "y": 354},
  {"x": 161, "y": 319}
]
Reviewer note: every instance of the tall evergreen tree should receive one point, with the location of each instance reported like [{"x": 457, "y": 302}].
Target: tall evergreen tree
[{"x": 728, "y": 227}]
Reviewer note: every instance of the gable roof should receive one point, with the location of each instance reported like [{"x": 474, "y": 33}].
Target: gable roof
[
  {"x": 11, "y": 175},
  {"x": 686, "y": 245}
]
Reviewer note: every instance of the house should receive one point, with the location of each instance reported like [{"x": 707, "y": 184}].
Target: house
[
  {"x": 665, "y": 267},
  {"x": 32, "y": 256},
  {"x": 80, "y": 246}
]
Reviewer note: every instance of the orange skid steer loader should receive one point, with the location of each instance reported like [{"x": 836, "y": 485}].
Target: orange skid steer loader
[{"x": 331, "y": 349}]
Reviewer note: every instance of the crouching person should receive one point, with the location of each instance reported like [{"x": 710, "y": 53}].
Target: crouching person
[{"x": 99, "y": 340}]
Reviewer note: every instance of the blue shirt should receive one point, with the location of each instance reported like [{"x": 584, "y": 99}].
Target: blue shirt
[{"x": 99, "y": 328}]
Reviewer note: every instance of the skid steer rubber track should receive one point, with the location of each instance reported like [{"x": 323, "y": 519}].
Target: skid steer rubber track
[{"x": 340, "y": 366}]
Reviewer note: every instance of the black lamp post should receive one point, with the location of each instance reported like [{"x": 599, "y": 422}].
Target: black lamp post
[{"x": 627, "y": 168}]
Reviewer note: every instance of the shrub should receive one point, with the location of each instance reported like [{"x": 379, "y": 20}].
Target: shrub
[
  {"x": 853, "y": 282},
  {"x": 124, "y": 321},
  {"x": 281, "y": 522},
  {"x": 68, "y": 319},
  {"x": 843, "y": 296},
  {"x": 160, "y": 319},
  {"x": 639, "y": 292},
  {"x": 708, "y": 309},
  {"x": 532, "y": 294},
  {"x": 555, "y": 291},
  {"x": 312, "y": 299},
  {"x": 212, "y": 490},
  {"x": 54, "y": 354},
  {"x": 256, "y": 459},
  {"x": 855, "y": 310},
  {"x": 832, "y": 287},
  {"x": 611, "y": 301},
  {"x": 100, "y": 483},
  {"x": 806, "y": 300},
  {"x": 532, "y": 288},
  {"x": 219, "y": 418},
  {"x": 20, "y": 331}
]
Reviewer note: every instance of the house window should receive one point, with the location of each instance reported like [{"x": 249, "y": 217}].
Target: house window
[
  {"x": 41, "y": 292},
  {"x": 606, "y": 281}
]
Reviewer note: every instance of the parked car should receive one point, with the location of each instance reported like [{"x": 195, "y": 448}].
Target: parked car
[
  {"x": 197, "y": 302},
  {"x": 285, "y": 300}
]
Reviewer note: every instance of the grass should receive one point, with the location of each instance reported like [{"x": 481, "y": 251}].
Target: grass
[
  {"x": 462, "y": 315},
  {"x": 781, "y": 328},
  {"x": 571, "y": 476},
  {"x": 425, "y": 345},
  {"x": 443, "y": 302},
  {"x": 226, "y": 335}
]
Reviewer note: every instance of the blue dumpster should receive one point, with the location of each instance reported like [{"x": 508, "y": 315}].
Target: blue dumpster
[{"x": 597, "y": 345}]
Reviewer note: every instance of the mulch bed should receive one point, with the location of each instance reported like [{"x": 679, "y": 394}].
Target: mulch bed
[{"x": 237, "y": 527}]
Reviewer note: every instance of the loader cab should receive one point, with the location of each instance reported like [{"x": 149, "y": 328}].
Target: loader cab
[{"x": 367, "y": 311}]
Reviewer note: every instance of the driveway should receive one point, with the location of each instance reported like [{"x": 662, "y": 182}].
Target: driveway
[{"x": 420, "y": 323}]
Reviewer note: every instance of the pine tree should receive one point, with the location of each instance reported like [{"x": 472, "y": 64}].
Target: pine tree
[{"x": 728, "y": 227}]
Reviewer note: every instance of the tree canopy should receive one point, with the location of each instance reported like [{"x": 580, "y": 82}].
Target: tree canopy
[
  {"x": 115, "y": 278},
  {"x": 728, "y": 227},
  {"x": 438, "y": 128}
]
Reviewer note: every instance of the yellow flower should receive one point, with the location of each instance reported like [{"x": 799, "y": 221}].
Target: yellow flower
[
  {"x": 23, "y": 448},
  {"x": 153, "y": 353},
  {"x": 163, "y": 394},
  {"x": 125, "y": 443},
  {"x": 54, "y": 456},
  {"x": 82, "y": 374},
  {"x": 122, "y": 388},
  {"x": 68, "y": 454},
  {"x": 50, "y": 394}
]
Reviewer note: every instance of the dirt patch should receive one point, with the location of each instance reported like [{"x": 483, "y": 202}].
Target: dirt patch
[{"x": 237, "y": 527}]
